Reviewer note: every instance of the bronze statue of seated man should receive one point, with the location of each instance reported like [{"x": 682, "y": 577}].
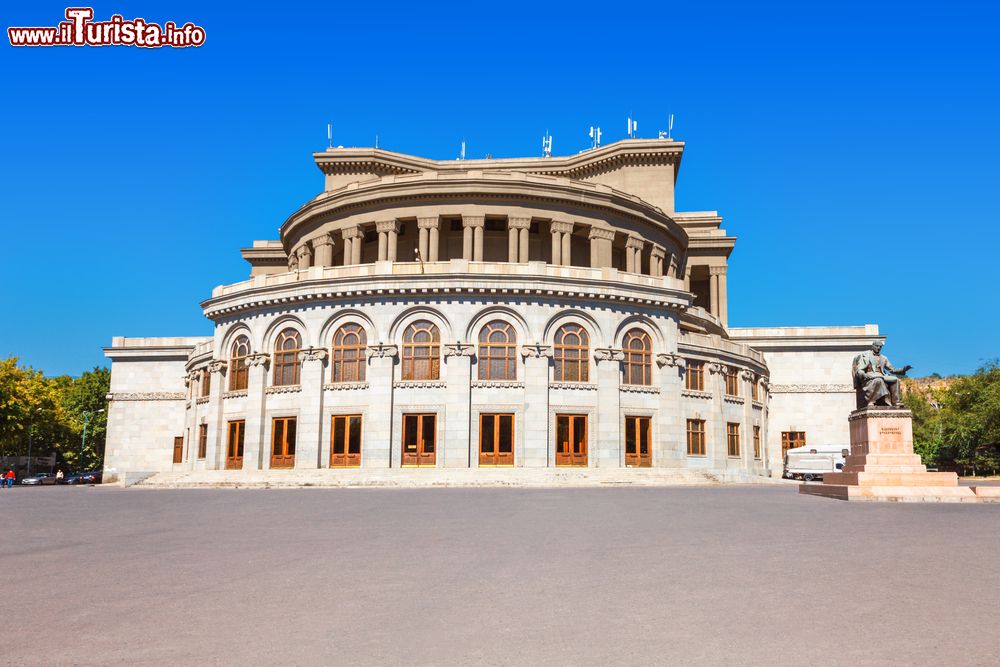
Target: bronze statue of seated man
[{"x": 876, "y": 380}]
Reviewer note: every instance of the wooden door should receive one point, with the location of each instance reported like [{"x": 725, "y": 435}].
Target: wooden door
[
  {"x": 571, "y": 440},
  {"x": 637, "y": 442},
  {"x": 496, "y": 440},
  {"x": 419, "y": 440},
  {"x": 345, "y": 441},
  {"x": 283, "y": 442},
  {"x": 234, "y": 445},
  {"x": 178, "y": 449}
]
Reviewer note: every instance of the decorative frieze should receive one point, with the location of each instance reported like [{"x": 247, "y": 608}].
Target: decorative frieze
[
  {"x": 313, "y": 354},
  {"x": 284, "y": 389},
  {"x": 735, "y": 400},
  {"x": 497, "y": 384},
  {"x": 236, "y": 393},
  {"x": 201, "y": 401},
  {"x": 146, "y": 396},
  {"x": 459, "y": 349},
  {"x": 345, "y": 386},
  {"x": 639, "y": 389},
  {"x": 420, "y": 384},
  {"x": 693, "y": 393},
  {"x": 579, "y": 386}
]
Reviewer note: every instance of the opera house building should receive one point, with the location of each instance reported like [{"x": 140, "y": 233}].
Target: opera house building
[{"x": 536, "y": 312}]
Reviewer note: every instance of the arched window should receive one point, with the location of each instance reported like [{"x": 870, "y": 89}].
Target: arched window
[
  {"x": 238, "y": 372},
  {"x": 286, "y": 357},
  {"x": 638, "y": 357},
  {"x": 497, "y": 352},
  {"x": 421, "y": 351},
  {"x": 572, "y": 350},
  {"x": 349, "y": 353}
]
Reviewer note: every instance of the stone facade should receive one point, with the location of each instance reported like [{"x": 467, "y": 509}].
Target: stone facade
[{"x": 589, "y": 243}]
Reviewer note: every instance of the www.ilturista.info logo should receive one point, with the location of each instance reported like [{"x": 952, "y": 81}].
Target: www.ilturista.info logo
[{"x": 81, "y": 30}]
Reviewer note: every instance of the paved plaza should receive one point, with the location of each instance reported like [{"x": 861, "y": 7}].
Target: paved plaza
[{"x": 724, "y": 575}]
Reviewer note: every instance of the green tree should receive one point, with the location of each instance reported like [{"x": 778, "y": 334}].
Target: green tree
[
  {"x": 926, "y": 423},
  {"x": 970, "y": 420}
]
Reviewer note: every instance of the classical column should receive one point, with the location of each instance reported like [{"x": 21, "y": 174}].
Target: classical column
[
  {"x": 609, "y": 427},
  {"x": 670, "y": 442},
  {"x": 717, "y": 444},
  {"x": 428, "y": 243},
  {"x": 687, "y": 278},
  {"x": 517, "y": 229},
  {"x": 567, "y": 247},
  {"x": 472, "y": 237},
  {"x": 600, "y": 247},
  {"x": 389, "y": 229},
  {"x": 383, "y": 243},
  {"x": 255, "y": 447},
  {"x": 376, "y": 448},
  {"x": 305, "y": 254},
  {"x": 713, "y": 291},
  {"x": 656, "y": 255},
  {"x": 309, "y": 425},
  {"x": 458, "y": 416},
  {"x": 216, "y": 427},
  {"x": 720, "y": 306},
  {"x": 561, "y": 232},
  {"x": 633, "y": 254},
  {"x": 323, "y": 248},
  {"x": 352, "y": 245},
  {"x": 535, "y": 448}
]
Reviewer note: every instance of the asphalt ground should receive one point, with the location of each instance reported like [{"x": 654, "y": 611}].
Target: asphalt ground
[{"x": 715, "y": 575}]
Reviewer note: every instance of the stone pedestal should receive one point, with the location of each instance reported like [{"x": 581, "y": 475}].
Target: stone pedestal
[{"x": 883, "y": 467}]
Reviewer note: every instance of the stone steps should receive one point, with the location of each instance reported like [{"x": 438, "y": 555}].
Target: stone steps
[{"x": 443, "y": 477}]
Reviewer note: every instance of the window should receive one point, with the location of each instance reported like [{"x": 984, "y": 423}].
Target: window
[
  {"x": 238, "y": 371},
  {"x": 234, "y": 445},
  {"x": 178, "y": 449},
  {"x": 732, "y": 381},
  {"x": 694, "y": 379},
  {"x": 497, "y": 352},
  {"x": 345, "y": 441},
  {"x": 419, "y": 439},
  {"x": 638, "y": 357},
  {"x": 696, "y": 437},
  {"x": 637, "y": 449},
  {"x": 206, "y": 382},
  {"x": 732, "y": 439},
  {"x": 755, "y": 389},
  {"x": 421, "y": 351},
  {"x": 349, "y": 345},
  {"x": 792, "y": 439},
  {"x": 286, "y": 357},
  {"x": 571, "y": 440},
  {"x": 756, "y": 442},
  {"x": 202, "y": 440},
  {"x": 496, "y": 440},
  {"x": 572, "y": 350},
  {"x": 283, "y": 442}
]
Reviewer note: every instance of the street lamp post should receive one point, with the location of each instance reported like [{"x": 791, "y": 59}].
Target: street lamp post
[
  {"x": 31, "y": 426},
  {"x": 83, "y": 442}
]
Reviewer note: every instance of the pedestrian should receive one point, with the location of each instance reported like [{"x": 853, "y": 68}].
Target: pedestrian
[
  {"x": 59, "y": 476},
  {"x": 9, "y": 478}
]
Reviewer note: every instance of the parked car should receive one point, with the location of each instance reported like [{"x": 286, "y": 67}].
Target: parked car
[
  {"x": 38, "y": 479},
  {"x": 809, "y": 463},
  {"x": 92, "y": 477}
]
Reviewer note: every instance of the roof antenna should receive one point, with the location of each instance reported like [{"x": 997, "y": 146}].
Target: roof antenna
[
  {"x": 376, "y": 140},
  {"x": 461, "y": 155},
  {"x": 329, "y": 136},
  {"x": 547, "y": 145},
  {"x": 631, "y": 127},
  {"x": 595, "y": 137},
  {"x": 670, "y": 126}
]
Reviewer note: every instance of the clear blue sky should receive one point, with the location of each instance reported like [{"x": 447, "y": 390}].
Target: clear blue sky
[{"x": 852, "y": 148}]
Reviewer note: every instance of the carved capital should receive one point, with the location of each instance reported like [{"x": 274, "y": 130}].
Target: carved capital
[
  {"x": 717, "y": 369},
  {"x": 657, "y": 251},
  {"x": 293, "y": 262},
  {"x": 668, "y": 359},
  {"x": 429, "y": 222},
  {"x": 635, "y": 243},
  {"x": 536, "y": 350},
  {"x": 717, "y": 270},
  {"x": 601, "y": 234},
  {"x": 324, "y": 240},
  {"x": 459, "y": 349},
  {"x": 473, "y": 220},
  {"x": 218, "y": 366},
  {"x": 749, "y": 376},
  {"x": 608, "y": 354},
  {"x": 561, "y": 226},
  {"x": 518, "y": 223},
  {"x": 305, "y": 250},
  {"x": 259, "y": 359},
  {"x": 313, "y": 354},
  {"x": 381, "y": 350},
  {"x": 351, "y": 232},
  {"x": 387, "y": 226}
]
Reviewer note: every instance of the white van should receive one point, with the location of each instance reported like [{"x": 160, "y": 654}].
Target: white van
[{"x": 811, "y": 462}]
